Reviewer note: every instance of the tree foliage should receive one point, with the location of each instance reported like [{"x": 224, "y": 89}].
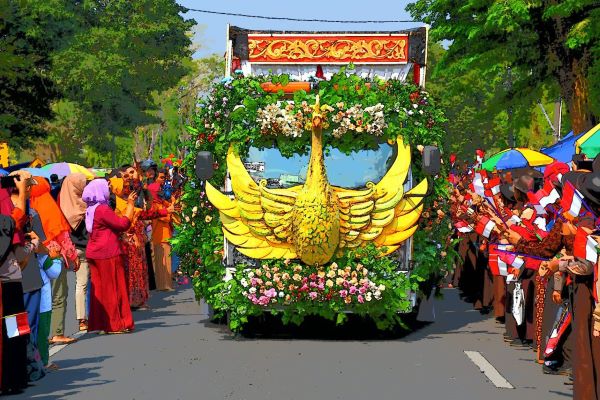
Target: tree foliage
[{"x": 549, "y": 45}]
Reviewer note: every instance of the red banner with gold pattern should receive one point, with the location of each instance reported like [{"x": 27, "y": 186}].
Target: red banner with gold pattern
[{"x": 312, "y": 49}]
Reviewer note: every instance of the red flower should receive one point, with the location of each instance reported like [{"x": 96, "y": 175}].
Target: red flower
[
  {"x": 414, "y": 96},
  {"x": 211, "y": 138}
]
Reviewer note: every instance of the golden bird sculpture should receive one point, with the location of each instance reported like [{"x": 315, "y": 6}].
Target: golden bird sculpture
[{"x": 314, "y": 220}]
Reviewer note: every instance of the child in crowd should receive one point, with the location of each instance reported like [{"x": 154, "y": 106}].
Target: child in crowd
[{"x": 50, "y": 268}]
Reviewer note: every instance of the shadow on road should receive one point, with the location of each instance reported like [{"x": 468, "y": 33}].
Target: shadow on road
[
  {"x": 73, "y": 374},
  {"x": 452, "y": 314}
]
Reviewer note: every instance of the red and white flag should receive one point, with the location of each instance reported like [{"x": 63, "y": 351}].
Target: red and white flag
[
  {"x": 463, "y": 227},
  {"x": 17, "y": 325},
  {"x": 572, "y": 200},
  {"x": 497, "y": 266},
  {"x": 492, "y": 187},
  {"x": 478, "y": 184},
  {"x": 512, "y": 259},
  {"x": 585, "y": 246},
  {"x": 485, "y": 226}
]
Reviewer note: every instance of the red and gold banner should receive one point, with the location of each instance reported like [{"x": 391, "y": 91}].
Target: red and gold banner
[{"x": 312, "y": 49}]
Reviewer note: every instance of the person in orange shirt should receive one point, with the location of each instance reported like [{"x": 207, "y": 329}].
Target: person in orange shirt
[{"x": 162, "y": 231}]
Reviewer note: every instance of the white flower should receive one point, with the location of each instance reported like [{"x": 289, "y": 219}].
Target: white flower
[
  {"x": 377, "y": 294},
  {"x": 195, "y": 209},
  {"x": 368, "y": 296},
  {"x": 410, "y": 112},
  {"x": 421, "y": 112},
  {"x": 281, "y": 294},
  {"x": 381, "y": 287},
  {"x": 252, "y": 290},
  {"x": 244, "y": 282},
  {"x": 251, "y": 274},
  {"x": 415, "y": 105}
]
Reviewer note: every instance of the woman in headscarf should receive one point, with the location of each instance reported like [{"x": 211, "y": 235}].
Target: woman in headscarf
[
  {"x": 56, "y": 229},
  {"x": 109, "y": 303},
  {"x": 14, "y": 350},
  {"x": 73, "y": 208},
  {"x": 162, "y": 231},
  {"x": 136, "y": 270}
]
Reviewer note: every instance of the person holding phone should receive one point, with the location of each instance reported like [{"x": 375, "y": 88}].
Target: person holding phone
[{"x": 109, "y": 301}]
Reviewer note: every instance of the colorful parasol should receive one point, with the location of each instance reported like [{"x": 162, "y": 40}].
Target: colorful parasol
[
  {"x": 38, "y": 172},
  {"x": 589, "y": 143},
  {"x": 516, "y": 158},
  {"x": 63, "y": 169}
]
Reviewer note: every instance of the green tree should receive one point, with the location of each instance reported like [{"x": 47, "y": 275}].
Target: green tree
[
  {"x": 122, "y": 54},
  {"x": 26, "y": 90},
  {"x": 547, "y": 44}
]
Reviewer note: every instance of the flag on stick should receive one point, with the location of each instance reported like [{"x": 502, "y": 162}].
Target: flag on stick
[{"x": 17, "y": 325}]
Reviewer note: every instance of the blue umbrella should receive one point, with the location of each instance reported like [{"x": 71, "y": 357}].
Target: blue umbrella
[
  {"x": 564, "y": 149},
  {"x": 37, "y": 172}
]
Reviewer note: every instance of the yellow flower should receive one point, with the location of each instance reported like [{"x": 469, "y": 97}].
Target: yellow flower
[
  {"x": 297, "y": 268},
  {"x": 339, "y": 281},
  {"x": 331, "y": 274},
  {"x": 297, "y": 277},
  {"x": 333, "y": 266},
  {"x": 329, "y": 283},
  {"x": 321, "y": 274},
  {"x": 341, "y": 272},
  {"x": 285, "y": 276},
  {"x": 348, "y": 300},
  {"x": 207, "y": 219}
]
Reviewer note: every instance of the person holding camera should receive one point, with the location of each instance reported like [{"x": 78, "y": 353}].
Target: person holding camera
[
  {"x": 109, "y": 301},
  {"x": 12, "y": 222},
  {"x": 136, "y": 270}
]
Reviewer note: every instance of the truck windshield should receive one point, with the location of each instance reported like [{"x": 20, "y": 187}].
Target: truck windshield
[{"x": 349, "y": 171}]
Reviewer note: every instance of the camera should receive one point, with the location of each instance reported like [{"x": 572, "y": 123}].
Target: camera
[{"x": 7, "y": 182}]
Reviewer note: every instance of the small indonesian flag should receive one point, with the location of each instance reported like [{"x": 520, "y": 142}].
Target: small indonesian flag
[
  {"x": 572, "y": 200},
  {"x": 585, "y": 246},
  {"x": 478, "y": 185},
  {"x": 558, "y": 331},
  {"x": 497, "y": 266},
  {"x": 492, "y": 187},
  {"x": 463, "y": 227},
  {"x": 485, "y": 226},
  {"x": 17, "y": 325},
  {"x": 512, "y": 260}
]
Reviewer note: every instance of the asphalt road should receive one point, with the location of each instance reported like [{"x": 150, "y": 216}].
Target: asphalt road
[{"x": 177, "y": 353}]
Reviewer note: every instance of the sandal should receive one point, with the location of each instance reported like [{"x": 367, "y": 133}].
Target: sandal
[
  {"x": 62, "y": 340},
  {"x": 51, "y": 367},
  {"x": 83, "y": 326}
]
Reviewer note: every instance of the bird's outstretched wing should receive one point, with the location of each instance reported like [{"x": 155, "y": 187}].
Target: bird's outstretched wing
[
  {"x": 381, "y": 213},
  {"x": 258, "y": 220}
]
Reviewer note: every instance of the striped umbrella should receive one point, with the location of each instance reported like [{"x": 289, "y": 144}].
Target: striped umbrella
[
  {"x": 589, "y": 143},
  {"x": 63, "y": 169},
  {"x": 516, "y": 158}
]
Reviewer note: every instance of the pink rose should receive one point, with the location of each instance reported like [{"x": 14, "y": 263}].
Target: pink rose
[
  {"x": 362, "y": 290},
  {"x": 352, "y": 289},
  {"x": 360, "y": 299},
  {"x": 343, "y": 293},
  {"x": 312, "y": 295}
]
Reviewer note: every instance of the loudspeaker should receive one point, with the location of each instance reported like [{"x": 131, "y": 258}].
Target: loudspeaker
[
  {"x": 432, "y": 161},
  {"x": 204, "y": 165}
]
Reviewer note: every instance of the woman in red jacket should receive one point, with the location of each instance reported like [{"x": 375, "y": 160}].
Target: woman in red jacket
[{"x": 109, "y": 301}]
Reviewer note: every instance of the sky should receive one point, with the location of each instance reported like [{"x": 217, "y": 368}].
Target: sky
[{"x": 210, "y": 32}]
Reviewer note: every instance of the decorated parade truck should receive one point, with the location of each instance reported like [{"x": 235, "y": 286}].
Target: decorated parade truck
[{"x": 311, "y": 164}]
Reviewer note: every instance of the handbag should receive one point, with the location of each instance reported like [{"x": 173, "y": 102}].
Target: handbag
[{"x": 518, "y": 305}]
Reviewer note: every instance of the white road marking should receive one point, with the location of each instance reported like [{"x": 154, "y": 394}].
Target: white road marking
[
  {"x": 488, "y": 369},
  {"x": 58, "y": 347}
]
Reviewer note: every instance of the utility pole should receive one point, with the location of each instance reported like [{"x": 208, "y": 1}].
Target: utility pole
[
  {"x": 508, "y": 83},
  {"x": 557, "y": 117},
  {"x": 114, "y": 151}
]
